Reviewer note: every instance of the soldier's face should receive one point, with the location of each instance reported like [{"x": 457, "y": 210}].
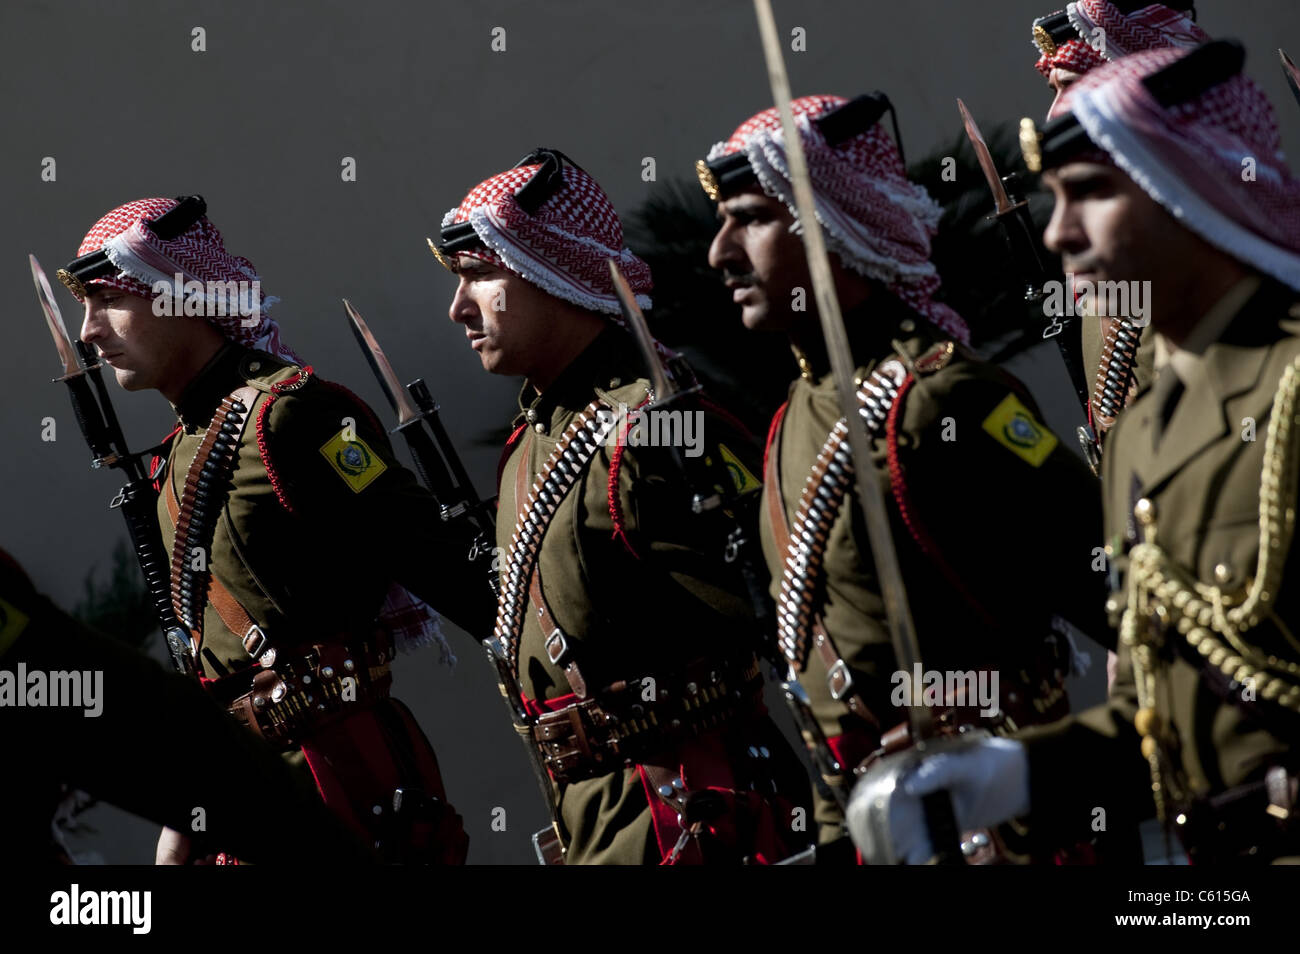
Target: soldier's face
[
  {"x": 762, "y": 261},
  {"x": 507, "y": 320},
  {"x": 144, "y": 350},
  {"x": 1108, "y": 230},
  {"x": 1060, "y": 80},
  {"x": 1104, "y": 226}
]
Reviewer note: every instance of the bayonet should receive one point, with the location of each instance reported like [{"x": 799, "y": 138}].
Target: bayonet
[
  {"x": 54, "y": 319},
  {"x": 1292, "y": 74},
  {"x": 1018, "y": 227},
  {"x": 379, "y": 364}
]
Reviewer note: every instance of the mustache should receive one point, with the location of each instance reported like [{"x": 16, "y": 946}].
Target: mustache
[{"x": 742, "y": 278}]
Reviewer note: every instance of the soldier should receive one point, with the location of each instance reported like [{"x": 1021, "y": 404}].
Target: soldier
[
  {"x": 988, "y": 568},
  {"x": 297, "y": 540},
  {"x": 1146, "y": 166},
  {"x": 1117, "y": 354},
  {"x": 183, "y": 753},
  {"x": 626, "y": 638}
]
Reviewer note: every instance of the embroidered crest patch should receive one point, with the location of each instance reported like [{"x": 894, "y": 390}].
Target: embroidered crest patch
[
  {"x": 744, "y": 481},
  {"x": 12, "y": 623},
  {"x": 1013, "y": 426},
  {"x": 353, "y": 460}
]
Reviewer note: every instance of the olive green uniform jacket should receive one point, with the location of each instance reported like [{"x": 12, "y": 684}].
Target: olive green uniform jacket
[
  {"x": 1203, "y": 482},
  {"x": 636, "y": 581},
  {"x": 306, "y": 546},
  {"x": 1012, "y": 513}
]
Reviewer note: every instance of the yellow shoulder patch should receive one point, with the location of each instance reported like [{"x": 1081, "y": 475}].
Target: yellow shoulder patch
[
  {"x": 744, "y": 481},
  {"x": 1013, "y": 426},
  {"x": 12, "y": 623},
  {"x": 353, "y": 460}
]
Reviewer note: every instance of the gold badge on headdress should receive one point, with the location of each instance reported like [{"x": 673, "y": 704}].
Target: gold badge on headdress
[
  {"x": 442, "y": 259},
  {"x": 1031, "y": 145},
  {"x": 1044, "y": 40},
  {"x": 708, "y": 181},
  {"x": 71, "y": 282}
]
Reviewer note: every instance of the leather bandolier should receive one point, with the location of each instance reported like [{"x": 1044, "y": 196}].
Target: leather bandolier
[
  {"x": 1039, "y": 691},
  {"x": 328, "y": 696},
  {"x": 630, "y": 722}
]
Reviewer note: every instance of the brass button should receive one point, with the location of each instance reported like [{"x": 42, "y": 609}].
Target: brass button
[
  {"x": 530, "y": 415},
  {"x": 539, "y": 427},
  {"x": 254, "y": 366},
  {"x": 615, "y": 382},
  {"x": 1222, "y": 573},
  {"x": 1145, "y": 511},
  {"x": 907, "y": 325}
]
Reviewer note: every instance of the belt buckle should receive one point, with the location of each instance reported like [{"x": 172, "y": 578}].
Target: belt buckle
[
  {"x": 557, "y": 647},
  {"x": 839, "y": 674},
  {"x": 255, "y": 641}
]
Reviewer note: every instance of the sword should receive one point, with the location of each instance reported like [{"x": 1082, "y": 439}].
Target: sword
[
  {"x": 635, "y": 318},
  {"x": 1018, "y": 228},
  {"x": 902, "y": 632},
  {"x": 82, "y": 373},
  {"x": 1292, "y": 74}
]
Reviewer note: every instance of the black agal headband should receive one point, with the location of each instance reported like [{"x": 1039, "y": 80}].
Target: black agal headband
[
  {"x": 171, "y": 224},
  {"x": 547, "y": 181},
  {"x": 732, "y": 173},
  {"x": 1055, "y": 30},
  {"x": 1063, "y": 138}
]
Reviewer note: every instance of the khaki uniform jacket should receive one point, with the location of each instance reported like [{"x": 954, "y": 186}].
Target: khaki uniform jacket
[
  {"x": 1203, "y": 481},
  {"x": 635, "y": 580},
  {"x": 1014, "y": 515}
]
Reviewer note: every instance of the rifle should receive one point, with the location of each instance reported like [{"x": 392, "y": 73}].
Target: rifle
[
  {"x": 437, "y": 464},
  {"x": 136, "y": 500},
  {"x": 443, "y": 475}
]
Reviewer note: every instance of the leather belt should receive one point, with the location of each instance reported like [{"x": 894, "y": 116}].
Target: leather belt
[
  {"x": 619, "y": 727},
  {"x": 306, "y": 691}
]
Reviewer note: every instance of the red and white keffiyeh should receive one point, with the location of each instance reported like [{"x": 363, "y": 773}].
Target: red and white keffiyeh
[
  {"x": 564, "y": 247},
  {"x": 1214, "y": 162},
  {"x": 1106, "y": 33},
  {"x": 198, "y": 255},
  {"x": 875, "y": 219}
]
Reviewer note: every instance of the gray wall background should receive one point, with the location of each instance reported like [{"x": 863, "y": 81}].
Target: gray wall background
[{"x": 259, "y": 124}]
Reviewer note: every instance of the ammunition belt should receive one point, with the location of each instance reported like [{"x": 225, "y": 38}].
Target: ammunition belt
[
  {"x": 207, "y": 485},
  {"x": 1115, "y": 383},
  {"x": 618, "y": 726},
  {"x": 558, "y": 474},
  {"x": 819, "y": 504},
  {"x": 305, "y": 691}
]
